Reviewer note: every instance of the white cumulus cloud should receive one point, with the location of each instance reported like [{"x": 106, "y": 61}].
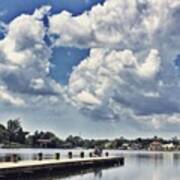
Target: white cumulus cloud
[
  {"x": 25, "y": 56},
  {"x": 129, "y": 74},
  {"x": 130, "y": 71},
  {"x": 7, "y": 98}
]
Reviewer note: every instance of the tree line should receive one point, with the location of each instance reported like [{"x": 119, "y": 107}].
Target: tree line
[{"x": 14, "y": 136}]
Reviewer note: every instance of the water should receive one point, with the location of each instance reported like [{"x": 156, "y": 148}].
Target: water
[{"x": 138, "y": 166}]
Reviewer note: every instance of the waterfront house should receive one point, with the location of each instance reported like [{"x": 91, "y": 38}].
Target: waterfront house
[
  {"x": 168, "y": 147},
  {"x": 108, "y": 145},
  {"x": 125, "y": 146},
  {"x": 136, "y": 146},
  {"x": 44, "y": 142},
  {"x": 155, "y": 146}
]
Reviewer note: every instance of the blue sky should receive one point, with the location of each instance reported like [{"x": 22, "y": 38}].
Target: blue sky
[
  {"x": 14, "y": 8},
  {"x": 69, "y": 57},
  {"x": 99, "y": 68}
]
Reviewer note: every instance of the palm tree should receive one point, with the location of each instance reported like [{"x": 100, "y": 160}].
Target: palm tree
[
  {"x": 15, "y": 131},
  {"x": 13, "y": 126}
]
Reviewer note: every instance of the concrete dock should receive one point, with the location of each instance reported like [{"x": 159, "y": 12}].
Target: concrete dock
[{"x": 35, "y": 166}]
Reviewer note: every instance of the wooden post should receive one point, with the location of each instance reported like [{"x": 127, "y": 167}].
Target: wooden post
[
  {"x": 122, "y": 161},
  {"x": 14, "y": 158},
  {"x": 40, "y": 156},
  {"x": 57, "y": 156},
  {"x": 70, "y": 155},
  {"x": 82, "y": 154},
  {"x": 90, "y": 154}
]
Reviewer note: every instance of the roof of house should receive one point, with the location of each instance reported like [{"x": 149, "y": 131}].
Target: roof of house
[
  {"x": 44, "y": 140},
  {"x": 170, "y": 145},
  {"x": 156, "y": 143}
]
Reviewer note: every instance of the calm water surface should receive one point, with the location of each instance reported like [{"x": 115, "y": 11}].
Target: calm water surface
[{"x": 138, "y": 166}]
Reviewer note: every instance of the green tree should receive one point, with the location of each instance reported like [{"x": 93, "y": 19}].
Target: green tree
[
  {"x": 15, "y": 131},
  {"x": 3, "y": 134}
]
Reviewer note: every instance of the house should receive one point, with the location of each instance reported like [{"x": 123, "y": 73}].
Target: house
[
  {"x": 108, "y": 145},
  {"x": 155, "y": 146},
  {"x": 44, "y": 142},
  {"x": 136, "y": 146},
  {"x": 125, "y": 146},
  {"x": 168, "y": 147}
]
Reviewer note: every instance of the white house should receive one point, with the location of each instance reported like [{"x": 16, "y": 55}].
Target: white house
[{"x": 168, "y": 147}]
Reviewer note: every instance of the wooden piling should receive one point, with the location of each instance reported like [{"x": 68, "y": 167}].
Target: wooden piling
[
  {"x": 90, "y": 154},
  {"x": 82, "y": 154},
  {"x": 106, "y": 154},
  {"x": 40, "y": 156},
  {"x": 70, "y": 155},
  {"x": 57, "y": 156},
  {"x": 14, "y": 158}
]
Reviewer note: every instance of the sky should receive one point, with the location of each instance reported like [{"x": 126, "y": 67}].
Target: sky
[{"x": 95, "y": 68}]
